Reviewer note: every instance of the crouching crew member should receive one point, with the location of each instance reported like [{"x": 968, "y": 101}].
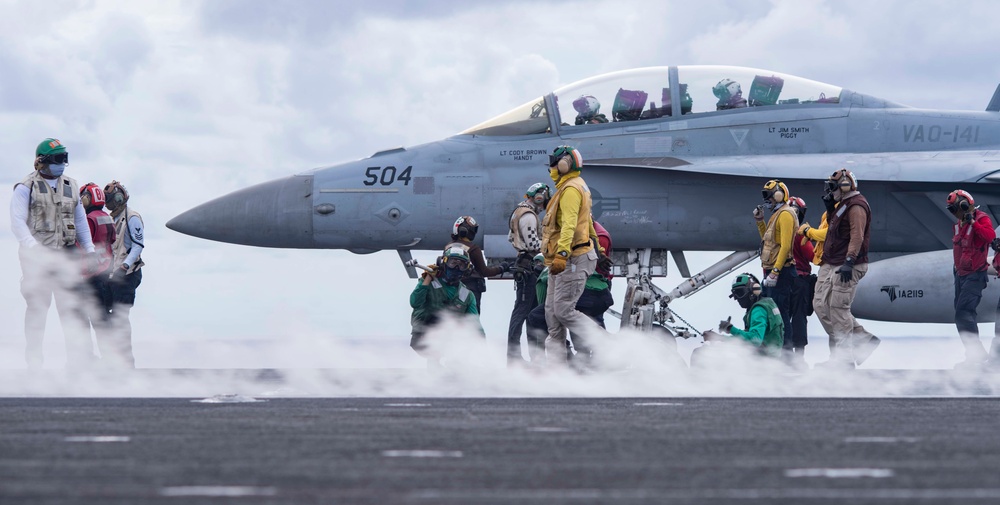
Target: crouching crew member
[
  {"x": 126, "y": 274},
  {"x": 525, "y": 229},
  {"x": 973, "y": 235},
  {"x": 762, "y": 323},
  {"x": 777, "y": 237},
  {"x": 437, "y": 291}
]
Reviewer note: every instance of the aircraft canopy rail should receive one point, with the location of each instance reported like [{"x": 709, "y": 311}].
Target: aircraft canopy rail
[{"x": 659, "y": 92}]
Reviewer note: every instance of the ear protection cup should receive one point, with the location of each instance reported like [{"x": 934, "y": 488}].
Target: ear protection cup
[
  {"x": 960, "y": 199},
  {"x": 563, "y": 166},
  {"x": 964, "y": 205},
  {"x": 85, "y": 200}
]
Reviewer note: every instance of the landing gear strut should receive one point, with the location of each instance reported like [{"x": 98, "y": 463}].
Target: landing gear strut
[{"x": 647, "y": 305}]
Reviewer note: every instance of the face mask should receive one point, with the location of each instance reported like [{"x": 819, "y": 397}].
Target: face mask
[
  {"x": 54, "y": 170},
  {"x": 554, "y": 174},
  {"x": 769, "y": 205}
]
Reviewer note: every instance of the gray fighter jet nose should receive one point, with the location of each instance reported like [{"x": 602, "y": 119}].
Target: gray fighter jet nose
[{"x": 273, "y": 214}]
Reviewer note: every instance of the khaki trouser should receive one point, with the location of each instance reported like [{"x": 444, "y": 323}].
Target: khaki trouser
[
  {"x": 561, "y": 295},
  {"x": 832, "y": 304},
  {"x": 47, "y": 275}
]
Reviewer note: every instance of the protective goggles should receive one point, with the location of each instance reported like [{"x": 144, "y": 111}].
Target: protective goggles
[
  {"x": 831, "y": 186},
  {"x": 54, "y": 158},
  {"x": 456, "y": 263},
  {"x": 553, "y": 160}
]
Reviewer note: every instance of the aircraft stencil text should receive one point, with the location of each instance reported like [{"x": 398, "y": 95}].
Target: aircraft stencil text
[
  {"x": 936, "y": 133},
  {"x": 386, "y": 176},
  {"x": 523, "y": 154},
  {"x": 786, "y": 132}
]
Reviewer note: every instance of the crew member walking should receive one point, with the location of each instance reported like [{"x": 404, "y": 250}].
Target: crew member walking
[
  {"x": 777, "y": 237},
  {"x": 845, "y": 262},
  {"x": 525, "y": 229},
  {"x": 973, "y": 235},
  {"x": 569, "y": 245}
]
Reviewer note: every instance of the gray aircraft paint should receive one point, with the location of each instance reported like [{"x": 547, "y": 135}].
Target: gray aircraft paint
[{"x": 677, "y": 182}]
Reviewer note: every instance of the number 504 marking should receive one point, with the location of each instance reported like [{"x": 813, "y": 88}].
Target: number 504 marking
[{"x": 386, "y": 175}]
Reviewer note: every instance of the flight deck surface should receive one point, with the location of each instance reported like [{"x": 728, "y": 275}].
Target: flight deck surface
[{"x": 499, "y": 450}]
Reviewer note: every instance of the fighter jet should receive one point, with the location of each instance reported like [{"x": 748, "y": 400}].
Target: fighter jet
[{"x": 675, "y": 158}]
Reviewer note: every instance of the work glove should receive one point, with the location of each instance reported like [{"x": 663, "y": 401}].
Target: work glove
[
  {"x": 771, "y": 280},
  {"x": 967, "y": 218},
  {"x": 118, "y": 274},
  {"x": 846, "y": 271},
  {"x": 804, "y": 229},
  {"x": 830, "y": 205},
  {"x": 558, "y": 265},
  {"x": 711, "y": 336},
  {"x": 758, "y": 213},
  {"x": 604, "y": 262},
  {"x": 726, "y": 326},
  {"x": 995, "y": 244},
  {"x": 505, "y": 267}
]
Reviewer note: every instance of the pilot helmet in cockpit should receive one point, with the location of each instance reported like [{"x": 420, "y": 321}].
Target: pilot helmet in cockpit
[
  {"x": 730, "y": 94},
  {"x": 588, "y": 110}
]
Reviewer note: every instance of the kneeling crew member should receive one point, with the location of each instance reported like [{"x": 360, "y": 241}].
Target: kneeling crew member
[
  {"x": 763, "y": 327},
  {"x": 463, "y": 232},
  {"x": 441, "y": 290},
  {"x": 973, "y": 235}
]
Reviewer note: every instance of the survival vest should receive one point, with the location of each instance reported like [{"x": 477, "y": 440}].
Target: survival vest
[
  {"x": 769, "y": 245},
  {"x": 52, "y": 211},
  {"x": 774, "y": 337},
  {"x": 527, "y": 245},
  {"x": 969, "y": 251},
  {"x": 121, "y": 230},
  {"x": 438, "y": 299},
  {"x": 103, "y": 234},
  {"x": 551, "y": 226},
  {"x": 838, "y": 236}
]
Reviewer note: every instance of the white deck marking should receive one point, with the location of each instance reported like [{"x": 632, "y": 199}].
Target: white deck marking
[
  {"x": 840, "y": 473},
  {"x": 407, "y": 405},
  {"x": 422, "y": 454},
  {"x": 97, "y": 439},
  {"x": 880, "y": 440},
  {"x": 229, "y": 491}
]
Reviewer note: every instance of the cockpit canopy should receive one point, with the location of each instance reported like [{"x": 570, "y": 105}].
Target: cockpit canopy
[{"x": 647, "y": 93}]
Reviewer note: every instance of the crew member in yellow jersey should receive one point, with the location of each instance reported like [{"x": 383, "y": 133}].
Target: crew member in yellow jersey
[
  {"x": 776, "y": 253},
  {"x": 571, "y": 251}
]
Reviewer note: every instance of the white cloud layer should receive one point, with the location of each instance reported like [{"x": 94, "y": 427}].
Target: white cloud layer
[{"x": 183, "y": 101}]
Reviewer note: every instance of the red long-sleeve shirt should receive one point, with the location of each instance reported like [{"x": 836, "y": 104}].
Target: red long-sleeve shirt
[{"x": 972, "y": 243}]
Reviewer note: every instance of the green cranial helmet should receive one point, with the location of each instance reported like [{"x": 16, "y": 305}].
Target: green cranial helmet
[
  {"x": 49, "y": 146},
  {"x": 535, "y": 188},
  {"x": 51, "y": 151},
  {"x": 456, "y": 252},
  {"x": 576, "y": 159},
  {"x": 744, "y": 285}
]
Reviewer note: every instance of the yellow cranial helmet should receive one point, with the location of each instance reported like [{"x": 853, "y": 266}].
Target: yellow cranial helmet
[{"x": 775, "y": 191}]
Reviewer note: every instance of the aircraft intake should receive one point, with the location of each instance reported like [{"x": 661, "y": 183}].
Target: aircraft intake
[{"x": 273, "y": 214}]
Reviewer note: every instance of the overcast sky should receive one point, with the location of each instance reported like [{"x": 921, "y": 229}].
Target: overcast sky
[{"x": 183, "y": 101}]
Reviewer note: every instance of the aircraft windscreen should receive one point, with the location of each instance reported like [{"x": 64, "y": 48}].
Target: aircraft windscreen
[
  {"x": 619, "y": 96},
  {"x": 645, "y": 93},
  {"x": 714, "y": 88},
  {"x": 530, "y": 118}
]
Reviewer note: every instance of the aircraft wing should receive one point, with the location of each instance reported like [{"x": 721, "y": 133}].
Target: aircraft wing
[{"x": 924, "y": 166}]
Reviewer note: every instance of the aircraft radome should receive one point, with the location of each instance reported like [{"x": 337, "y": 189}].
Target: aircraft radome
[{"x": 675, "y": 168}]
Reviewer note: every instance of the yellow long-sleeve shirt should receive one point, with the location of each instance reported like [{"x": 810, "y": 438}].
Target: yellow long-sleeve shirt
[
  {"x": 784, "y": 233},
  {"x": 570, "y": 203},
  {"x": 818, "y": 235}
]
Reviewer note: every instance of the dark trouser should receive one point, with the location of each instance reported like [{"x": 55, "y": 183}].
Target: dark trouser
[
  {"x": 538, "y": 329},
  {"x": 116, "y": 349},
  {"x": 524, "y": 283},
  {"x": 593, "y": 304},
  {"x": 801, "y": 305},
  {"x": 54, "y": 274},
  {"x": 968, "y": 292},
  {"x": 781, "y": 293}
]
